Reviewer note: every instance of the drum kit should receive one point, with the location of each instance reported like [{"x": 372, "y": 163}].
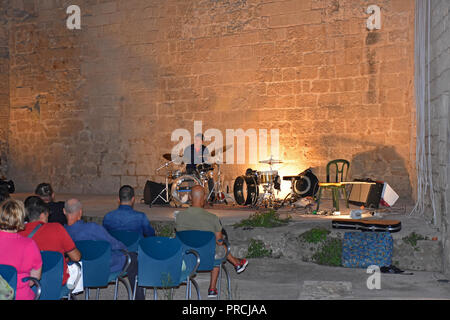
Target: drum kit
[
  {"x": 178, "y": 182},
  {"x": 247, "y": 187},
  {"x": 254, "y": 188}
]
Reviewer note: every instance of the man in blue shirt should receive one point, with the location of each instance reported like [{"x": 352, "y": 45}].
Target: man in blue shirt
[
  {"x": 80, "y": 230},
  {"x": 125, "y": 218}
]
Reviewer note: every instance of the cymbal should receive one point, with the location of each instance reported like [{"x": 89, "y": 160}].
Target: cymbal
[
  {"x": 168, "y": 157},
  {"x": 271, "y": 161},
  {"x": 223, "y": 150}
]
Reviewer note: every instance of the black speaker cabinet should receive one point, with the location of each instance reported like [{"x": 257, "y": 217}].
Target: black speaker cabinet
[
  {"x": 366, "y": 194},
  {"x": 152, "y": 190}
]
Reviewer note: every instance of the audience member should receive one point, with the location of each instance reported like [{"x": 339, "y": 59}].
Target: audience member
[
  {"x": 56, "y": 213},
  {"x": 48, "y": 236},
  {"x": 16, "y": 250},
  {"x": 196, "y": 218},
  {"x": 126, "y": 218},
  {"x": 4, "y": 192},
  {"x": 80, "y": 230}
]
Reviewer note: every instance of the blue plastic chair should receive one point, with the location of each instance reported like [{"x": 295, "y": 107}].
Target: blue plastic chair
[
  {"x": 160, "y": 261},
  {"x": 52, "y": 276},
  {"x": 9, "y": 273},
  {"x": 129, "y": 238},
  {"x": 96, "y": 259},
  {"x": 204, "y": 242}
]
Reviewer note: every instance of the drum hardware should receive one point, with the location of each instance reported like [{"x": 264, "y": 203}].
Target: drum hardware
[
  {"x": 179, "y": 189},
  {"x": 303, "y": 185},
  {"x": 270, "y": 181},
  {"x": 166, "y": 189},
  {"x": 182, "y": 182},
  {"x": 219, "y": 196}
]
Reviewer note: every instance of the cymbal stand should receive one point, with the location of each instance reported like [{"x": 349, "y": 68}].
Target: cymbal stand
[
  {"x": 217, "y": 187},
  {"x": 292, "y": 196},
  {"x": 166, "y": 189}
]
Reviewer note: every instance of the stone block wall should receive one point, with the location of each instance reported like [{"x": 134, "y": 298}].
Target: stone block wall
[
  {"x": 4, "y": 89},
  {"x": 439, "y": 135},
  {"x": 102, "y": 102}
]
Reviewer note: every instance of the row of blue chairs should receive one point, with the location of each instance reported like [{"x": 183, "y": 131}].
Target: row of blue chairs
[
  {"x": 49, "y": 287},
  {"x": 160, "y": 258},
  {"x": 9, "y": 273},
  {"x": 162, "y": 263}
]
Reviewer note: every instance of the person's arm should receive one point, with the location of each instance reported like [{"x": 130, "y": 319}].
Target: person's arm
[
  {"x": 35, "y": 274},
  {"x": 68, "y": 245},
  {"x": 115, "y": 244},
  {"x": 33, "y": 260},
  {"x": 219, "y": 237},
  {"x": 74, "y": 255},
  {"x": 106, "y": 223},
  {"x": 206, "y": 155},
  {"x": 148, "y": 230}
]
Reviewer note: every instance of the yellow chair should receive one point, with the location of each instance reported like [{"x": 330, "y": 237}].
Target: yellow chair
[{"x": 341, "y": 167}]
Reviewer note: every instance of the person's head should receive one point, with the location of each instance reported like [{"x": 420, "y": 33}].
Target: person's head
[
  {"x": 36, "y": 209},
  {"x": 198, "y": 196},
  {"x": 198, "y": 140},
  {"x": 73, "y": 211},
  {"x": 12, "y": 215},
  {"x": 126, "y": 195},
  {"x": 4, "y": 192},
  {"x": 45, "y": 191}
]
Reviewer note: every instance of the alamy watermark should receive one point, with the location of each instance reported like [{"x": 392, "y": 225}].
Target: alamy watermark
[
  {"x": 258, "y": 146},
  {"x": 374, "y": 281},
  {"x": 74, "y": 20}
]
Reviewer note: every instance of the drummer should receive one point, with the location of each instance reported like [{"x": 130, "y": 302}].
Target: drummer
[{"x": 197, "y": 153}]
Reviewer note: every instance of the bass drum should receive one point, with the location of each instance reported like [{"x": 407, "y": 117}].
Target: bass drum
[
  {"x": 181, "y": 188},
  {"x": 307, "y": 185},
  {"x": 246, "y": 190}
]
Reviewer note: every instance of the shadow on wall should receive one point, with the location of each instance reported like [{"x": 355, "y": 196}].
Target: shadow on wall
[
  {"x": 368, "y": 159},
  {"x": 385, "y": 164}
]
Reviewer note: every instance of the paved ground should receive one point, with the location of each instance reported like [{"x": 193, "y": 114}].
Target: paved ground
[{"x": 281, "y": 279}]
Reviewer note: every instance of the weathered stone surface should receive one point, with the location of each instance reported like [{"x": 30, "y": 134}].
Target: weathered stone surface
[{"x": 113, "y": 92}]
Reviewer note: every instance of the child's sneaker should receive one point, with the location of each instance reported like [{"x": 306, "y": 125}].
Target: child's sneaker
[
  {"x": 241, "y": 266},
  {"x": 212, "y": 293}
]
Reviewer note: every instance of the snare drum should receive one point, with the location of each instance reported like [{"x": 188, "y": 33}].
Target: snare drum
[{"x": 267, "y": 176}]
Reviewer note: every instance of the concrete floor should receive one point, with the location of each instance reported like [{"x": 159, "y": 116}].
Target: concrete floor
[{"x": 282, "y": 279}]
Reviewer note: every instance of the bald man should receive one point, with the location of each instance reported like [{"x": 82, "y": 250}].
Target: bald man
[
  {"x": 197, "y": 218},
  {"x": 80, "y": 230}
]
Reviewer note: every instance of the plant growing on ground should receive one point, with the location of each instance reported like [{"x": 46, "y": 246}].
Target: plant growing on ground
[
  {"x": 257, "y": 249},
  {"x": 166, "y": 281},
  {"x": 412, "y": 239},
  {"x": 330, "y": 253},
  {"x": 315, "y": 235},
  {"x": 165, "y": 230},
  {"x": 268, "y": 219}
]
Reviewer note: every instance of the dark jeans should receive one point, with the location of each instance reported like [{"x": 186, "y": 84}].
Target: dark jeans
[{"x": 132, "y": 273}]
